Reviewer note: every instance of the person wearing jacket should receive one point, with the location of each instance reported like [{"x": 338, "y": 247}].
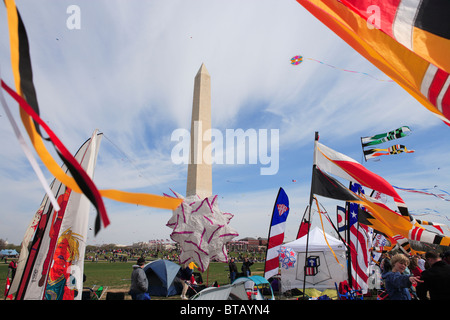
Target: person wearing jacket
[
  {"x": 436, "y": 279},
  {"x": 139, "y": 282},
  {"x": 396, "y": 283}
]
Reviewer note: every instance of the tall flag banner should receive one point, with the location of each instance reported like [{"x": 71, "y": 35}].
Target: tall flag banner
[
  {"x": 407, "y": 40},
  {"x": 276, "y": 234},
  {"x": 326, "y": 186},
  {"x": 347, "y": 168},
  {"x": 384, "y": 137},
  {"x": 376, "y": 214},
  {"x": 358, "y": 241},
  {"x": 341, "y": 218},
  {"x": 65, "y": 267},
  {"x": 376, "y": 152},
  {"x": 51, "y": 260}
]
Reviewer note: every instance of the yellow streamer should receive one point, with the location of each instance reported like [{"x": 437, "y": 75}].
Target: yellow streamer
[
  {"x": 54, "y": 168},
  {"x": 321, "y": 222},
  {"x": 145, "y": 199}
]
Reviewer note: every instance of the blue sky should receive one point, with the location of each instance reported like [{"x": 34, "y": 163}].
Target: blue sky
[{"x": 129, "y": 72}]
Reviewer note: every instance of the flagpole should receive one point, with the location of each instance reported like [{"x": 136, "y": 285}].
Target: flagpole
[
  {"x": 349, "y": 254},
  {"x": 311, "y": 197}
]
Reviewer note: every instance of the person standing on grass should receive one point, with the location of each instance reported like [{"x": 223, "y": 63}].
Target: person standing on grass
[
  {"x": 139, "y": 282},
  {"x": 246, "y": 267},
  {"x": 233, "y": 270}
]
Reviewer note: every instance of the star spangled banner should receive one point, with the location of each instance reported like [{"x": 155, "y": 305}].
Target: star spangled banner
[
  {"x": 358, "y": 241},
  {"x": 276, "y": 234},
  {"x": 384, "y": 137}
]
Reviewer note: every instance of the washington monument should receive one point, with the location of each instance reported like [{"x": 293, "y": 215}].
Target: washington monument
[{"x": 199, "y": 177}]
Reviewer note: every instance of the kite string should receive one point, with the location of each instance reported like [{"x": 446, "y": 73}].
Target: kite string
[
  {"x": 352, "y": 71},
  {"x": 425, "y": 191},
  {"x": 156, "y": 182},
  {"x": 321, "y": 222}
]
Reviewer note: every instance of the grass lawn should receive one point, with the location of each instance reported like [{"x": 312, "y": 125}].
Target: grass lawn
[{"x": 116, "y": 275}]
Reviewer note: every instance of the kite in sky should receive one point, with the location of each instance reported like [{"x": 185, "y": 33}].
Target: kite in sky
[
  {"x": 296, "y": 60},
  {"x": 384, "y": 137},
  {"x": 376, "y": 152},
  {"x": 387, "y": 136},
  {"x": 407, "y": 40},
  {"x": 201, "y": 230}
]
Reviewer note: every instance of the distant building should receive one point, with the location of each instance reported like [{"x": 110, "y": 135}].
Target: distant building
[{"x": 248, "y": 244}]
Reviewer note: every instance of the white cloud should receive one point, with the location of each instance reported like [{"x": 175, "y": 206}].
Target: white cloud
[{"x": 129, "y": 71}]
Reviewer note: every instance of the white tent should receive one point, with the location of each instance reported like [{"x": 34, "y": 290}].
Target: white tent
[
  {"x": 235, "y": 291},
  {"x": 323, "y": 269}
]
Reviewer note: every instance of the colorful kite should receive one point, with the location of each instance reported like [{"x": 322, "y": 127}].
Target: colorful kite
[
  {"x": 287, "y": 257},
  {"x": 296, "y": 60},
  {"x": 376, "y": 152},
  {"x": 427, "y": 191},
  {"x": 201, "y": 230},
  {"x": 299, "y": 59},
  {"x": 407, "y": 40},
  {"x": 25, "y": 94},
  {"x": 384, "y": 137}
]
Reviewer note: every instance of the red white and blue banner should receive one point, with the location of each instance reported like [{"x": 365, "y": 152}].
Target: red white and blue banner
[
  {"x": 359, "y": 250},
  {"x": 276, "y": 234}
]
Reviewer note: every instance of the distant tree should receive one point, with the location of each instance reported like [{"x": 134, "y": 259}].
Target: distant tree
[{"x": 3, "y": 244}]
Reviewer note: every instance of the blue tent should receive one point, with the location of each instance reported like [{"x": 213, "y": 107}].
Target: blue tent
[
  {"x": 9, "y": 252},
  {"x": 162, "y": 278}
]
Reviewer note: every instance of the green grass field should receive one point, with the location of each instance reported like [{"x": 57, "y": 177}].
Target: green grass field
[{"x": 116, "y": 275}]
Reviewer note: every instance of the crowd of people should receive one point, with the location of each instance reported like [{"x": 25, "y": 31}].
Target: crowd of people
[{"x": 418, "y": 277}]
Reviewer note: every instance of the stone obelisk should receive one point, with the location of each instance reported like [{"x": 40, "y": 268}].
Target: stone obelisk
[{"x": 199, "y": 178}]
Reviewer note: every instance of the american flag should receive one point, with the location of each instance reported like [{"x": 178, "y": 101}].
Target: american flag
[{"x": 359, "y": 252}]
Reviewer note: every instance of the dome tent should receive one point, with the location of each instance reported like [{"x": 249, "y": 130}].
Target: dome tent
[{"x": 162, "y": 278}]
